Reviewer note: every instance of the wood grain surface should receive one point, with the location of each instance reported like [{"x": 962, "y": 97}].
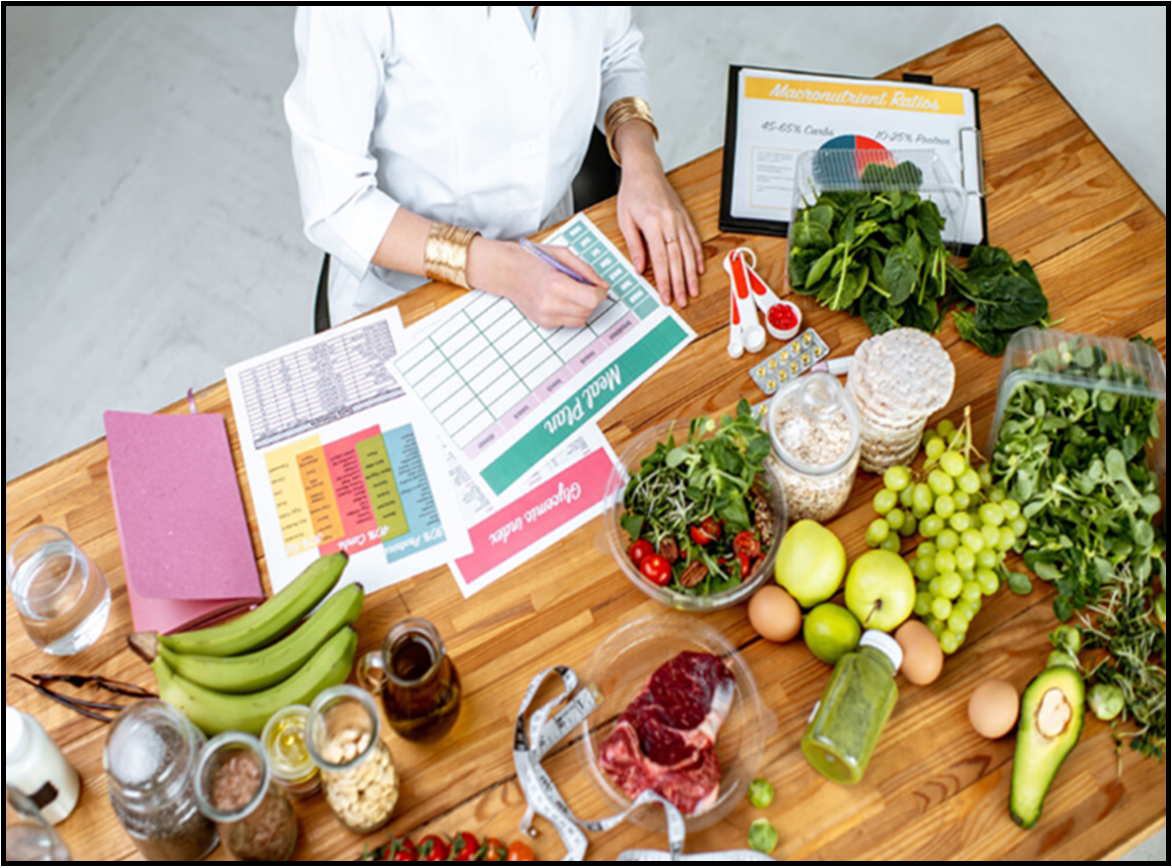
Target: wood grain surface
[{"x": 935, "y": 791}]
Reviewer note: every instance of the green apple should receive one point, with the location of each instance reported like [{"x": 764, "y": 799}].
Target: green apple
[
  {"x": 880, "y": 591},
  {"x": 810, "y": 564}
]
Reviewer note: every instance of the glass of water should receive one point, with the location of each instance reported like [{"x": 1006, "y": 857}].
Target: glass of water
[
  {"x": 62, "y": 597},
  {"x": 27, "y": 837}
]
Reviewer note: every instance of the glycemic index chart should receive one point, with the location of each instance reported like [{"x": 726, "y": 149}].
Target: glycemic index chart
[{"x": 506, "y": 393}]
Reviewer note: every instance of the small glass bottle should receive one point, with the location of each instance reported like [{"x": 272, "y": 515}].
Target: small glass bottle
[
  {"x": 357, "y": 772},
  {"x": 35, "y": 766},
  {"x": 285, "y": 744},
  {"x": 418, "y": 682},
  {"x": 236, "y": 791},
  {"x": 847, "y": 724},
  {"x": 814, "y": 426},
  {"x": 150, "y": 759}
]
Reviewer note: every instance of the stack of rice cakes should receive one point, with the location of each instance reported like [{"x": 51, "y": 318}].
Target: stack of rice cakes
[{"x": 899, "y": 380}]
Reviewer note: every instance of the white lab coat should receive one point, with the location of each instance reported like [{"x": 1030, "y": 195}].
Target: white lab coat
[{"x": 456, "y": 113}]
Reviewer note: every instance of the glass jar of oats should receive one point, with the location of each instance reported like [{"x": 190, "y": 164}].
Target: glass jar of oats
[{"x": 814, "y": 426}]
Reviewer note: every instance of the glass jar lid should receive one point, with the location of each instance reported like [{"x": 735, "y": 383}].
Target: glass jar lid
[{"x": 814, "y": 425}]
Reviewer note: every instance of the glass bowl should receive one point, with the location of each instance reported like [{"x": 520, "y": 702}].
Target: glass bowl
[
  {"x": 621, "y": 668},
  {"x": 619, "y": 542}
]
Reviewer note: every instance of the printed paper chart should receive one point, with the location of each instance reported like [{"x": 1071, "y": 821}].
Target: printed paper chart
[
  {"x": 354, "y": 494},
  {"x": 341, "y": 457},
  {"x": 508, "y": 393}
]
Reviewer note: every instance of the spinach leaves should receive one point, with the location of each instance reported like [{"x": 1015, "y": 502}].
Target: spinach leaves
[{"x": 880, "y": 255}]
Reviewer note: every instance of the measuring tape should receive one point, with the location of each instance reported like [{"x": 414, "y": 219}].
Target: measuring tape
[{"x": 538, "y": 734}]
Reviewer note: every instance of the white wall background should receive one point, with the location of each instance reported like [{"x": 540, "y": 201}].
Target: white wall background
[{"x": 151, "y": 232}]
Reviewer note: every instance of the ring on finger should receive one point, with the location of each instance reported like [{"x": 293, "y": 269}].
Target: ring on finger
[{"x": 672, "y": 240}]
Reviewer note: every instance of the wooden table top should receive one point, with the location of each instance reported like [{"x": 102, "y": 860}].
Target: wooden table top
[{"x": 935, "y": 790}]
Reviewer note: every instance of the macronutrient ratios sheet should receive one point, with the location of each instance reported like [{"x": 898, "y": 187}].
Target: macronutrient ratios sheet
[{"x": 507, "y": 393}]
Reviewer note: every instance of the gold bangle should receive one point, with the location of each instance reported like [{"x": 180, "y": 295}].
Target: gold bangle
[
  {"x": 446, "y": 256},
  {"x": 631, "y": 108}
]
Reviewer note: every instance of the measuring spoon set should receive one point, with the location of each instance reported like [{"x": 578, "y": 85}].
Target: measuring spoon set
[{"x": 748, "y": 294}]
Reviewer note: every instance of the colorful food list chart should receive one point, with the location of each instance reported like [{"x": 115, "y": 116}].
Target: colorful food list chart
[
  {"x": 507, "y": 394},
  {"x": 341, "y": 458}
]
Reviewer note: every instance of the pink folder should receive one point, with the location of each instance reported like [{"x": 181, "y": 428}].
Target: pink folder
[{"x": 186, "y": 548}]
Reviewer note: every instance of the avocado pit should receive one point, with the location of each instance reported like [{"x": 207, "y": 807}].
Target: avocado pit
[{"x": 1054, "y": 714}]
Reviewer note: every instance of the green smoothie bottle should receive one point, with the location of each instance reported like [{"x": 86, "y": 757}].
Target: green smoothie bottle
[{"x": 847, "y": 724}]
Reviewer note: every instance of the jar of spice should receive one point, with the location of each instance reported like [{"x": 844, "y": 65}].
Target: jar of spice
[
  {"x": 814, "y": 426},
  {"x": 150, "y": 759},
  {"x": 357, "y": 772},
  {"x": 236, "y": 791}
]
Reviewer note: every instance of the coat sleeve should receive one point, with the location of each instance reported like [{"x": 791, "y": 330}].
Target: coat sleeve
[
  {"x": 343, "y": 53},
  {"x": 624, "y": 74}
]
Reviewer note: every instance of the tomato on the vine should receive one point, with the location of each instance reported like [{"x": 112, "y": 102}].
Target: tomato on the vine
[
  {"x": 434, "y": 849},
  {"x": 746, "y": 543},
  {"x": 708, "y": 531},
  {"x": 519, "y": 852},
  {"x": 640, "y": 551},
  {"x": 494, "y": 851},
  {"x": 656, "y": 570},
  {"x": 465, "y": 848}
]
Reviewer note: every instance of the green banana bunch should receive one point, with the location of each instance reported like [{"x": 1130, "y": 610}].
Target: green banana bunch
[
  {"x": 215, "y": 712},
  {"x": 260, "y": 670},
  {"x": 267, "y": 623}
]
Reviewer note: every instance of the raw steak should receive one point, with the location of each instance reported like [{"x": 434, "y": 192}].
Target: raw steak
[{"x": 666, "y": 739}]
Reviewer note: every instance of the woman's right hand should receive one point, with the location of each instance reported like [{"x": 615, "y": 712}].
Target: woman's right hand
[{"x": 549, "y": 298}]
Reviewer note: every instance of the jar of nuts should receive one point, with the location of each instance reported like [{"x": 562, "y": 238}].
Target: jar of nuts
[
  {"x": 814, "y": 426},
  {"x": 357, "y": 772}
]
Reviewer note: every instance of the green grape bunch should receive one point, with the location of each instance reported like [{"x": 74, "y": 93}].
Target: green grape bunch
[{"x": 968, "y": 527}]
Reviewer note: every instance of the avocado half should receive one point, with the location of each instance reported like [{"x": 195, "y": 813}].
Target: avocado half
[{"x": 1052, "y": 714}]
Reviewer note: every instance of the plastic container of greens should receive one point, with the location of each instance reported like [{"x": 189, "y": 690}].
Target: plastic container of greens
[
  {"x": 819, "y": 173},
  {"x": 1110, "y": 371}
]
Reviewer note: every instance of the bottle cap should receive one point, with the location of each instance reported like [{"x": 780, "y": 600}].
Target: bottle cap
[
  {"x": 13, "y": 733},
  {"x": 885, "y": 645}
]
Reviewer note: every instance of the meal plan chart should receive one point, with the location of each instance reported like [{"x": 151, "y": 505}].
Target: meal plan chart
[
  {"x": 507, "y": 393},
  {"x": 341, "y": 458}
]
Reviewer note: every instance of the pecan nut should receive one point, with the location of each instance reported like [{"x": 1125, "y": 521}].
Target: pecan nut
[
  {"x": 669, "y": 550},
  {"x": 694, "y": 575}
]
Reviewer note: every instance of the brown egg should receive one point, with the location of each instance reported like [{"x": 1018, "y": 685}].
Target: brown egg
[
  {"x": 923, "y": 659},
  {"x": 774, "y": 615},
  {"x": 994, "y": 709}
]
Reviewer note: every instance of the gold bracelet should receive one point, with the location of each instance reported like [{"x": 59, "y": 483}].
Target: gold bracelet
[
  {"x": 630, "y": 109},
  {"x": 446, "y": 256}
]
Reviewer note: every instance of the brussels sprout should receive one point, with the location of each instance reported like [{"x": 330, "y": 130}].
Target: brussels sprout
[
  {"x": 1106, "y": 701},
  {"x": 1067, "y": 639},
  {"x": 761, "y": 794},
  {"x": 763, "y": 837}
]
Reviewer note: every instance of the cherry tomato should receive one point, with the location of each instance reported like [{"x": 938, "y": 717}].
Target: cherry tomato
[
  {"x": 402, "y": 850},
  {"x": 520, "y": 853},
  {"x": 640, "y": 551},
  {"x": 494, "y": 851},
  {"x": 465, "y": 848},
  {"x": 434, "y": 849},
  {"x": 746, "y": 543},
  {"x": 709, "y": 531},
  {"x": 656, "y": 570},
  {"x": 746, "y": 564}
]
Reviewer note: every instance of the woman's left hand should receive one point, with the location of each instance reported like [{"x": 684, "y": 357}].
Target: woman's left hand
[{"x": 653, "y": 220}]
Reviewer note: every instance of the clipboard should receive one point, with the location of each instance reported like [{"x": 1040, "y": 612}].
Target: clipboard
[{"x": 774, "y": 115}]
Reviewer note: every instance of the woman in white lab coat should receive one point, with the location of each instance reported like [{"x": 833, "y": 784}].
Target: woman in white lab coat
[{"x": 427, "y": 138}]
